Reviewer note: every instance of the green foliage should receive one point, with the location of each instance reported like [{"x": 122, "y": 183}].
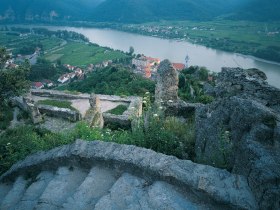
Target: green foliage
[
  {"x": 29, "y": 48},
  {"x": 45, "y": 70},
  {"x": 6, "y": 116},
  {"x": 56, "y": 103},
  {"x": 205, "y": 99},
  {"x": 13, "y": 81},
  {"x": 203, "y": 73},
  {"x": 3, "y": 56},
  {"x": 153, "y": 131},
  {"x": 119, "y": 110},
  {"x": 113, "y": 81},
  {"x": 190, "y": 84},
  {"x": 166, "y": 135},
  {"x": 269, "y": 53},
  {"x": 18, "y": 143}
]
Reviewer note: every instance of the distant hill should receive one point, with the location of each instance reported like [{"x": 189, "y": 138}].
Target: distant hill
[
  {"x": 153, "y": 10},
  {"x": 46, "y": 10},
  {"x": 136, "y": 11},
  {"x": 258, "y": 10}
]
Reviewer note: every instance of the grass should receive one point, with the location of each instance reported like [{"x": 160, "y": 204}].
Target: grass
[
  {"x": 81, "y": 54},
  {"x": 56, "y": 103},
  {"x": 119, "y": 110},
  {"x": 53, "y": 57}
]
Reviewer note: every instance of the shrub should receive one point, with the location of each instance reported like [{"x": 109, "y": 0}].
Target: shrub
[
  {"x": 16, "y": 144},
  {"x": 6, "y": 116}
]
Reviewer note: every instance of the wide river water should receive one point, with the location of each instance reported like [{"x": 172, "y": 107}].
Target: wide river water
[{"x": 176, "y": 51}]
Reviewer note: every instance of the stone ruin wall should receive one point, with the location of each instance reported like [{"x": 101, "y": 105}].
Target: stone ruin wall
[{"x": 134, "y": 109}]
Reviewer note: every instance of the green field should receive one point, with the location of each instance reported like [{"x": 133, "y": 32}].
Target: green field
[
  {"x": 15, "y": 42},
  {"x": 68, "y": 52},
  {"x": 81, "y": 54}
]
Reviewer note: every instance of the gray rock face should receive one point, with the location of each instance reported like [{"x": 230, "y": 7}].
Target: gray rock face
[
  {"x": 250, "y": 84},
  {"x": 240, "y": 131},
  {"x": 99, "y": 175},
  {"x": 167, "y": 83}
]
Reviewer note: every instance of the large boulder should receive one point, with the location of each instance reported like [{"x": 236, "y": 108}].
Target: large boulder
[{"x": 240, "y": 131}]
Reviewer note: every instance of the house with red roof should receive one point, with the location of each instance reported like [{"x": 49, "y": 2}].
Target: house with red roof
[
  {"x": 178, "y": 66},
  {"x": 37, "y": 85}
]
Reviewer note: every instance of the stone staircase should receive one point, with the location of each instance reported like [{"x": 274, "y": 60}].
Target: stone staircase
[{"x": 99, "y": 175}]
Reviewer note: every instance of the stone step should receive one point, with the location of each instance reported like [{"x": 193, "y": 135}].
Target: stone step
[
  {"x": 127, "y": 193},
  {"x": 15, "y": 194},
  {"x": 97, "y": 184},
  {"x": 61, "y": 187},
  {"x": 4, "y": 190},
  {"x": 164, "y": 196},
  {"x": 34, "y": 191}
]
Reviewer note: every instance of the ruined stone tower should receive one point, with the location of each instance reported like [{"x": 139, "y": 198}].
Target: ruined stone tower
[{"x": 167, "y": 83}]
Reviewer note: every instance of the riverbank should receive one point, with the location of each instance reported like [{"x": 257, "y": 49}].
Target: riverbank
[
  {"x": 261, "y": 40},
  {"x": 258, "y": 39}
]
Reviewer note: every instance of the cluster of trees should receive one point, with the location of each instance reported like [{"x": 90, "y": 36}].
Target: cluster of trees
[
  {"x": 12, "y": 81},
  {"x": 115, "y": 80},
  {"x": 270, "y": 53},
  {"x": 44, "y": 69},
  {"x": 63, "y": 34}
]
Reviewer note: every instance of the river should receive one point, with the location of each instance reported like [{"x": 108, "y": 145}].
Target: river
[{"x": 176, "y": 51}]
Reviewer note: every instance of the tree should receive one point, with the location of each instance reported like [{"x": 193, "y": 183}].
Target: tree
[
  {"x": 3, "y": 57},
  {"x": 131, "y": 50},
  {"x": 12, "y": 81}
]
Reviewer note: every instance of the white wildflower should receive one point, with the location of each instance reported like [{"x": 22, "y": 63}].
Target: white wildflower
[{"x": 155, "y": 115}]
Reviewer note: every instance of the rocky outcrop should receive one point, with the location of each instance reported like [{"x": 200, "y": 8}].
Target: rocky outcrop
[
  {"x": 94, "y": 115},
  {"x": 99, "y": 175},
  {"x": 240, "y": 131},
  {"x": 249, "y": 84},
  {"x": 167, "y": 83}
]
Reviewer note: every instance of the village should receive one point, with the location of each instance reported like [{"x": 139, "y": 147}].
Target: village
[{"x": 140, "y": 64}]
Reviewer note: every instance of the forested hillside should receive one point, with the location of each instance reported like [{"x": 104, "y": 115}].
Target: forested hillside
[{"x": 137, "y": 11}]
